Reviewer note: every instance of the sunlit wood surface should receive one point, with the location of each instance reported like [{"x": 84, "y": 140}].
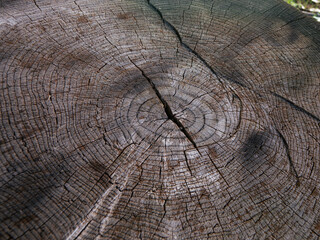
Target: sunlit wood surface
[{"x": 166, "y": 119}]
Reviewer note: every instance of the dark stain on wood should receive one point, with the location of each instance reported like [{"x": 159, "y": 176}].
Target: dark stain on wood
[
  {"x": 42, "y": 28},
  {"x": 317, "y": 226},
  {"x": 28, "y": 133},
  {"x": 99, "y": 170},
  {"x": 96, "y": 166},
  {"x": 314, "y": 192},
  {"x": 82, "y": 19},
  {"x": 253, "y": 144},
  {"x": 293, "y": 36},
  {"x": 253, "y": 150},
  {"x": 26, "y": 219},
  {"x": 124, "y": 16},
  {"x": 212, "y": 152},
  {"x": 26, "y": 64}
]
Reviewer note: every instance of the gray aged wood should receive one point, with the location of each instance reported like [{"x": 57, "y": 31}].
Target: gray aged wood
[{"x": 159, "y": 120}]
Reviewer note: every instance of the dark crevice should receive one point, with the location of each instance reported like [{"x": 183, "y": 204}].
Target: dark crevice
[
  {"x": 218, "y": 170},
  {"x": 318, "y": 234},
  {"x": 235, "y": 96},
  {"x": 186, "y": 46},
  {"x": 289, "y": 156},
  {"x": 164, "y": 214},
  {"x": 78, "y": 6},
  {"x": 293, "y": 20},
  {"x": 185, "y": 156},
  {"x": 35, "y": 3},
  {"x": 296, "y": 107},
  {"x": 165, "y": 22},
  {"x": 167, "y": 109}
]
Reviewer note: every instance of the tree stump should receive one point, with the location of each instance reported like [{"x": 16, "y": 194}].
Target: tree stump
[{"x": 159, "y": 119}]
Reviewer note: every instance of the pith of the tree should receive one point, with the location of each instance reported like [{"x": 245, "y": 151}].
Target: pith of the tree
[{"x": 159, "y": 119}]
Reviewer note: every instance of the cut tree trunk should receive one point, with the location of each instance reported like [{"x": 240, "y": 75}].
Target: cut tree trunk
[{"x": 159, "y": 119}]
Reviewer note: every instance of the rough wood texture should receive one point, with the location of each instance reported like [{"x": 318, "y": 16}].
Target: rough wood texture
[{"x": 165, "y": 119}]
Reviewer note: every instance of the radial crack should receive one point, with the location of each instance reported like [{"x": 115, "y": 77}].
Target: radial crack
[
  {"x": 289, "y": 156},
  {"x": 167, "y": 109},
  {"x": 35, "y": 3},
  {"x": 296, "y": 107},
  {"x": 186, "y": 46},
  {"x": 186, "y": 158}
]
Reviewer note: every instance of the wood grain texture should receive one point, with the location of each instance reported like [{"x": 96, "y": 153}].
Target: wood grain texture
[{"x": 159, "y": 119}]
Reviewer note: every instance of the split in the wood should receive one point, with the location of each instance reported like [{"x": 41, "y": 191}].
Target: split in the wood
[
  {"x": 186, "y": 46},
  {"x": 35, "y": 3},
  {"x": 296, "y": 107},
  {"x": 175, "y": 31},
  {"x": 186, "y": 158},
  {"x": 289, "y": 156},
  {"x": 167, "y": 109}
]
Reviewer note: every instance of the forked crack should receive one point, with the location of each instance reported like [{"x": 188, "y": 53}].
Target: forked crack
[
  {"x": 189, "y": 49},
  {"x": 167, "y": 109}
]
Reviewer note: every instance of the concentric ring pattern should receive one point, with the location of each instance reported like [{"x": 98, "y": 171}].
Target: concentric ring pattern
[{"x": 158, "y": 120}]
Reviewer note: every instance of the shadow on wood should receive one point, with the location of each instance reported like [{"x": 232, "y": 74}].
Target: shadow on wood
[{"x": 159, "y": 120}]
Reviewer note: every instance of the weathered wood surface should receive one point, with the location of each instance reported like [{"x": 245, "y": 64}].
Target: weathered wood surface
[{"x": 159, "y": 120}]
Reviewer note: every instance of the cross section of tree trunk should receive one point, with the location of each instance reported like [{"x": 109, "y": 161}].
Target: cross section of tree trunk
[{"x": 162, "y": 119}]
